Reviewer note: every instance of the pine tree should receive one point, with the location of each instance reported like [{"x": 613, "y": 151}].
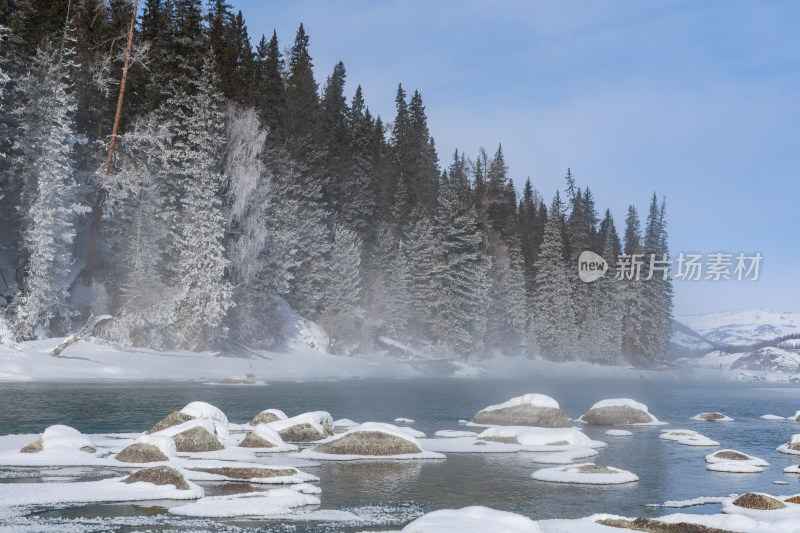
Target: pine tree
[
  {"x": 139, "y": 229},
  {"x": 507, "y": 308},
  {"x": 247, "y": 227},
  {"x": 419, "y": 250},
  {"x": 270, "y": 88},
  {"x": 554, "y": 321},
  {"x": 302, "y": 101},
  {"x": 343, "y": 295},
  {"x": 194, "y": 166},
  {"x": 460, "y": 277},
  {"x": 48, "y": 207}
]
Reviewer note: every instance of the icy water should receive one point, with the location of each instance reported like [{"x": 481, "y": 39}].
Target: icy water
[{"x": 388, "y": 495}]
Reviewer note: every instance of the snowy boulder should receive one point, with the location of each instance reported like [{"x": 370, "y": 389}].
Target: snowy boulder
[
  {"x": 472, "y": 520},
  {"x": 193, "y": 436},
  {"x": 262, "y": 436},
  {"x": 619, "y": 433},
  {"x": 268, "y": 415},
  {"x": 724, "y": 456},
  {"x": 206, "y": 411},
  {"x": 139, "y": 452},
  {"x": 687, "y": 437},
  {"x": 793, "y": 447},
  {"x": 159, "y": 475},
  {"x": 173, "y": 419},
  {"x": 586, "y": 473},
  {"x": 307, "y": 427},
  {"x": 371, "y": 439},
  {"x": 618, "y": 412},
  {"x": 712, "y": 417},
  {"x": 532, "y": 409},
  {"x": 148, "y": 449},
  {"x": 757, "y": 500},
  {"x": 59, "y": 436},
  {"x": 772, "y": 417}
]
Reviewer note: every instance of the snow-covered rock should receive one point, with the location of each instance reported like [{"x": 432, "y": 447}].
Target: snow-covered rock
[
  {"x": 60, "y": 437},
  {"x": 618, "y": 412},
  {"x": 712, "y": 417},
  {"x": 472, "y": 520},
  {"x": 531, "y": 409},
  {"x": 206, "y": 411},
  {"x": 263, "y": 436},
  {"x": 793, "y": 447},
  {"x": 772, "y": 417},
  {"x": 268, "y": 415},
  {"x": 586, "y": 473},
  {"x": 687, "y": 437},
  {"x": 735, "y": 462},
  {"x": 371, "y": 439},
  {"x": 306, "y": 427},
  {"x": 619, "y": 433}
]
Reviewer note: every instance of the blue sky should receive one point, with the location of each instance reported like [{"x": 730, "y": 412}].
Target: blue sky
[{"x": 697, "y": 101}]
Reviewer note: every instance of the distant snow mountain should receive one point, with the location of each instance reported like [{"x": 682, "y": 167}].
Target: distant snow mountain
[
  {"x": 747, "y": 326},
  {"x": 686, "y": 341}
]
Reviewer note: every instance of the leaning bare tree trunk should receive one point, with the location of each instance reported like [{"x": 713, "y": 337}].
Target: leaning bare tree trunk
[
  {"x": 90, "y": 327},
  {"x": 98, "y": 212}
]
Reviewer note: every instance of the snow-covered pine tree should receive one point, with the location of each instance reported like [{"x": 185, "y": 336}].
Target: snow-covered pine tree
[
  {"x": 656, "y": 288},
  {"x": 300, "y": 240},
  {"x": 554, "y": 312},
  {"x": 343, "y": 287},
  {"x": 420, "y": 250},
  {"x": 603, "y": 327},
  {"x": 460, "y": 277},
  {"x": 386, "y": 282},
  {"x": 247, "y": 223},
  {"x": 507, "y": 309},
  {"x": 194, "y": 166},
  {"x": 49, "y": 202},
  {"x": 143, "y": 301}
]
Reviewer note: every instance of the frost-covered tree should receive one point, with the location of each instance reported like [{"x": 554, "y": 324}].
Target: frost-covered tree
[
  {"x": 460, "y": 280},
  {"x": 419, "y": 250},
  {"x": 554, "y": 312},
  {"x": 507, "y": 310},
  {"x": 247, "y": 202},
  {"x": 143, "y": 301},
  {"x": 343, "y": 289},
  {"x": 193, "y": 164},
  {"x": 49, "y": 202},
  {"x": 386, "y": 283}
]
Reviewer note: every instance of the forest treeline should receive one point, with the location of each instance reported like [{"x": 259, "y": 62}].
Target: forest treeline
[{"x": 239, "y": 179}]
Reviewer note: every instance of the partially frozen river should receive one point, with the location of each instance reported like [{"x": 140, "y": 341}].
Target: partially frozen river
[{"x": 390, "y": 494}]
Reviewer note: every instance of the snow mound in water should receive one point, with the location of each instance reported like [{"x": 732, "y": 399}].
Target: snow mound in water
[
  {"x": 475, "y": 519},
  {"x": 586, "y": 473},
  {"x": 687, "y": 437},
  {"x": 533, "y": 399}
]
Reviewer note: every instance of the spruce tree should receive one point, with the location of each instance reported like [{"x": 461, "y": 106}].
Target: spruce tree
[
  {"x": 48, "y": 207},
  {"x": 554, "y": 321}
]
